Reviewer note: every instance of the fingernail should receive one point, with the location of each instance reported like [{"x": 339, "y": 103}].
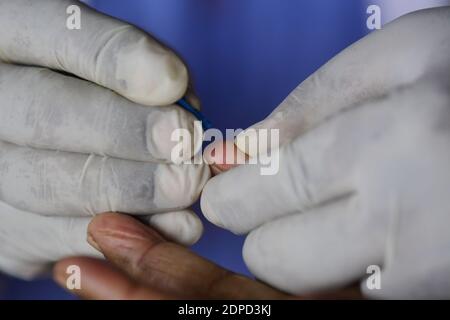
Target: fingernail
[{"x": 92, "y": 242}]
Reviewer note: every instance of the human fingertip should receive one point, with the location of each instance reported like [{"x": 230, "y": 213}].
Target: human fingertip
[
  {"x": 223, "y": 156},
  {"x": 119, "y": 235},
  {"x": 64, "y": 269},
  {"x": 59, "y": 273}
]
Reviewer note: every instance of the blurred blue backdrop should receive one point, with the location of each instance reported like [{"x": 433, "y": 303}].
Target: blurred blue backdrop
[{"x": 245, "y": 57}]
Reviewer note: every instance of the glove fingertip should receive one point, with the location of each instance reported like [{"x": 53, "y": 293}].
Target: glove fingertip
[{"x": 183, "y": 227}]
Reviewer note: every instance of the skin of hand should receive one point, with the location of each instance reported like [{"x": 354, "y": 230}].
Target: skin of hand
[
  {"x": 141, "y": 264},
  {"x": 364, "y": 173},
  {"x": 86, "y": 119}
]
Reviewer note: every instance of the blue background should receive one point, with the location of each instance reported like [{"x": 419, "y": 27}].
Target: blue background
[{"x": 245, "y": 57}]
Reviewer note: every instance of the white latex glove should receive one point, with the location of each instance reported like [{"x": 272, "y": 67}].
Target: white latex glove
[
  {"x": 71, "y": 148},
  {"x": 364, "y": 173}
]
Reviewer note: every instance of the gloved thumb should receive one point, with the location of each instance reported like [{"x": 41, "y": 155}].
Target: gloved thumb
[{"x": 417, "y": 44}]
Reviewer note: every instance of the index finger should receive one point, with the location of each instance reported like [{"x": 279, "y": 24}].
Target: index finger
[
  {"x": 167, "y": 267},
  {"x": 104, "y": 50}
]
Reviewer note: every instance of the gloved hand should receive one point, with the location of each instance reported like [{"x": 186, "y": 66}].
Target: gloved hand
[
  {"x": 364, "y": 175},
  {"x": 71, "y": 148}
]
